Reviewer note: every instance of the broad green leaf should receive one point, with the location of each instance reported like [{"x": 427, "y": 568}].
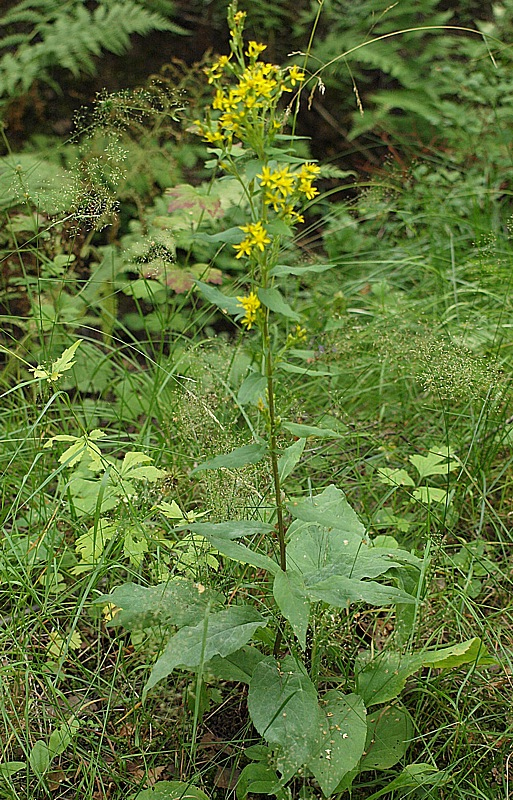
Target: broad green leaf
[
  {"x": 229, "y": 236},
  {"x": 311, "y": 430},
  {"x": 252, "y": 389},
  {"x": 235, "y": 529},
  {"x": 228, "y": 305},
  {"x": 242, "y": 554},
  {"x": 395, "y": 477},
  {"x": 10, "y": 768},
  {"x": 238, "y": 666},
  {"x": 341, "y": 739},
  {"x": 171, "y": 790},
  {"x": 414, "y": 776},
  {"x": 258, "y": 752},
  {"x": 289, "y": 594},
  {"x": 433, "y": 464},
  {"x": 290, "y": 458},
  {"x": 340, "y": 592},
  {"x": 390, "y": 730},
  {"x": 471, "y": 651},
  {"x": 40, "y": 758},
  {"x": 178, "y": 602},
  {"x": 273, "y": 300},
  {"x": 281, "y": 270},
  {"x": 381, "y": 677},
  {"x": 62, "y": 736},
  {"x": 221, "y": 535},
  {"x": 329, "y": 509},
  {"x": 429, "y": 494},
  {"x": 283, "y": 707},
  {"x": 311, "y": 547},
  {"x": 256, "y": 778},
  {"x": 217, "y": 634},
  {"x": 249, "y": 454}
]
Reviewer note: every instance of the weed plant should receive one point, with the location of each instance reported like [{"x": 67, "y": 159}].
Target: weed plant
[{"x": 256, "y": 475}]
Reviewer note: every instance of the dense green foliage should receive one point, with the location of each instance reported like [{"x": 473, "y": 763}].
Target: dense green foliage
[{"x": 256, "y": 410}]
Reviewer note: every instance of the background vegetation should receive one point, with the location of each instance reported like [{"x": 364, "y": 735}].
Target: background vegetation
[{"x": 110, "y": 216}]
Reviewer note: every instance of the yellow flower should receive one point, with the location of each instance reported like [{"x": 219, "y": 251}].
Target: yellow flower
[
  {"x": 254, "y": 49},
  {"x": 243, "y": 249},
  {"x": 306, "y": 187},
  {"x": 296, "y": 75},
  {"x": 250, "y": 303},
  {"x": 257, "y": 237}
]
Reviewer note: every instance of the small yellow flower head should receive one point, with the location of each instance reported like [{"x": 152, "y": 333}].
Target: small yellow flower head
[
  {"x": 250, "y": 303},
  {"x": 254, "y": 49},
  {"x": 257, "y": 238},
  {"x": 296, "y": 75}
]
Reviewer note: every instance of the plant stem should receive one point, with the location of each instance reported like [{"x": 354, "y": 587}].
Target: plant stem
[{"x": 269, "y": 371}]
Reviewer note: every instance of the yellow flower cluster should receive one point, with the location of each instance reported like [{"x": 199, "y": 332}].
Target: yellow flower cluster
[
  {"x": 284, "y": 188},
  {"x": 250, "y": 303},
  {"x": 256, "y": 238},
  {"x": 247, "y": 94}
]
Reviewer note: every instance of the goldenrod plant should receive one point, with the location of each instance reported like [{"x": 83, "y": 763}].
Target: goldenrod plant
[{"x": 324, "y": 557}]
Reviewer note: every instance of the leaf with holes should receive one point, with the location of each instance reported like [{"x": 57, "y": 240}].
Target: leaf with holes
[
  {"x": 390, "y": 730},
  {"x": 283, "y": 707},
  {"x": 341, "y": 739}
]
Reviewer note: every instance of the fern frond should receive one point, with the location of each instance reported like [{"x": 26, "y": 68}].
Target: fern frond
[{"x": 70, "y": 35}]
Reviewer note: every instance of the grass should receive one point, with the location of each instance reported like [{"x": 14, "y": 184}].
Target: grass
[{"x": 408, "y": 350}]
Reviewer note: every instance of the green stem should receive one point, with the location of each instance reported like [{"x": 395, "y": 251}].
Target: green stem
[{"x": 269, "y": 372}]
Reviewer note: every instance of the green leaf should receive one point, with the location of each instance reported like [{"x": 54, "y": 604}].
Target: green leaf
[
  {"x": 395, "y": 477},
  {"x": 390, "y": 730},
  {"x": 273, "y": 300},
  {"x": 471, "y": 651},
  {"x": 281, "y": 270},
  {"x": 228, "y": 305},
  {"x": 381, "y": 677},
  {"x": 256, "y": 778},
  {"x": 238, "y": 666},
  {"x": 217, "y": 635},
  {"x": 340, "y": 592},
  {"x": 252, "y": 389},
  {"x": 171, "y": 790},
  {"x": 10, "y": 768},
  {"x": 429, "y": 494},
  {"x": 289, "y": 593},
  {"x": 62, "y": 364},
  {"x": 177, "y": 602},
  {"x": 40, "y": 758},
  {"x": 414, "y": 776},
  {"x": 433, "y": 464},
  {"x": 341, "y": 739},
  {"x": 311, "y": 430},
  {"x": 289, "y": 458},
  {"x": 62, "y": 736},
  {"x": 329, "y": 509},
  {"x": 229, "y": 236},
  {"x": 135, "y": 468},
  {"x": 249, "y": 454},
  {"x": 283, "y": 707},
  {"x": 221, "y": 537}
]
